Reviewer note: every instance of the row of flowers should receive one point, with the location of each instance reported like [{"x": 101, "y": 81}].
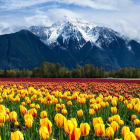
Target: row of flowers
[{"x": 41, "y": 111}]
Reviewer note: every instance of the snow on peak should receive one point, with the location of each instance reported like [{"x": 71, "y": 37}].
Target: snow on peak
[
  {"x": 67, "y": 27},
  {"x": 78, "y": 29}
]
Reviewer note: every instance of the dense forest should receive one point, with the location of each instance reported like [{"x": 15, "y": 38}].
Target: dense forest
[{"x": 50, "y": 70}]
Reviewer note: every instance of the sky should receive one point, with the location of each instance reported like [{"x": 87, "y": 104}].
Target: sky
[{"x": 121, "y": 15}]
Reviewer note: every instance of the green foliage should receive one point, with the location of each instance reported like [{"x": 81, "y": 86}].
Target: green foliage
[{"x": 50, "y": 70}]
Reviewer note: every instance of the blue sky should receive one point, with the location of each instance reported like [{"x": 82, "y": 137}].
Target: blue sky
[{"x": 120, "y": 15}]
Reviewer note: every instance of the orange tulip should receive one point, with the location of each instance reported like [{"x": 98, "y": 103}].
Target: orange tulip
[{"x": 134, "y": 117}]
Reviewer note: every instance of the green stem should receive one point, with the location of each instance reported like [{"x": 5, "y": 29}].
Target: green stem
[
  {"x": 84, "y": 137},
  {"x": 59, "y": 133},
  {"x": 4, "y": 138}
]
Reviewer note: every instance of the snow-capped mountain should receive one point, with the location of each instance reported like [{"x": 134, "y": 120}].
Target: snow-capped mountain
[
  {"x": 70, "y": 42},
  {"x": 77, "y": 29}
]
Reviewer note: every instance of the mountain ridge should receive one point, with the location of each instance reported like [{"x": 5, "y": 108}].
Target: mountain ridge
[{"x": 70, "y": 43}]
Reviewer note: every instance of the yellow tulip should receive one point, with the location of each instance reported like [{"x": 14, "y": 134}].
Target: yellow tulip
[
  {"x": 137, "y": 122},
  {"x": 57, "y": 110},
  {"x": 17, "y": 135},
  {"x": 129, "y": 106},
  {"x": 28, "y": 116},
  {"x": 64, "y": 111},
  {"x": 37, "y": 106},
  {"x": 43, "y": 114},
  {"x": 110, "y": 119},
  {"x": 2, "y": 117},
  {"x": 47, "y": 123},
  {"x": 44, "y": 133},
  {"x": 114, "y": 102},
  {"x": 2, "y": 108},
  {"x": 23, "y": 110},
  {"x": 97, "y": 120},
  {"x": 13, "y": 116},
  {"x": 91, "y": 111},
  {"x": 102, "y": 104},
  {"x": 80, "y": 113},
  {"x": 59, "y": 120},
  {"x": 121, "y": 122},
  {"x": 75, "y": 135},
  {"x": 33, "y": 112},
  {"x": 63, "y": 106},
  {"x": 68, "y": 127},
  {"x": 7, "y": 118},
  {"x": 125, "y": 102},
  {"x": 2, "y": 125},
  {"x": 32, "y": 105},
  {"x": 115, "y": 126},
  {"x": 124, "y": 130},
  {"x": 74, "y": 121},
  {"x": 16, "y": 124},
  {"x": 137, "y": 133},
  {"x": 106, "y": 104},
  {"x": 23, "y": 103},
  {"x": 69, "y": 103},
  {"x": 129, "y": 136},
  {"x": 28, "y": 123},
  {"x": 109, "y": 132},
  {"x": 116, "y": 118},
  {"x": 58, "y": 106},
  {"x": 7, "y": 111},
  {"x": 96, "y": 107},
  {"x": 85, "y": 128},
  {"x": 99, "y": 129},
  {"x": 114, "y": 110},
  {"x": 121, "y": 98}
]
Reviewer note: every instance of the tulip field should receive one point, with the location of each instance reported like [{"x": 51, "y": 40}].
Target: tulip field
[{"x": 69, "y": 109}]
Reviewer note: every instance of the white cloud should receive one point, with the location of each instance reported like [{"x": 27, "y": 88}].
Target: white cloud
[
  {"x": 38, "y": 20},
  {"x": 3, "y": 25},
  {"x": 43, "y": 19},
  {"x": 96, "y": 4},
  {"x": 128, "y": 29},
  {"x": 42, "y": 13}
]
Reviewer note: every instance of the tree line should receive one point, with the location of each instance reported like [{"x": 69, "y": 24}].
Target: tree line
[{"x": 50, "y": 70}]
